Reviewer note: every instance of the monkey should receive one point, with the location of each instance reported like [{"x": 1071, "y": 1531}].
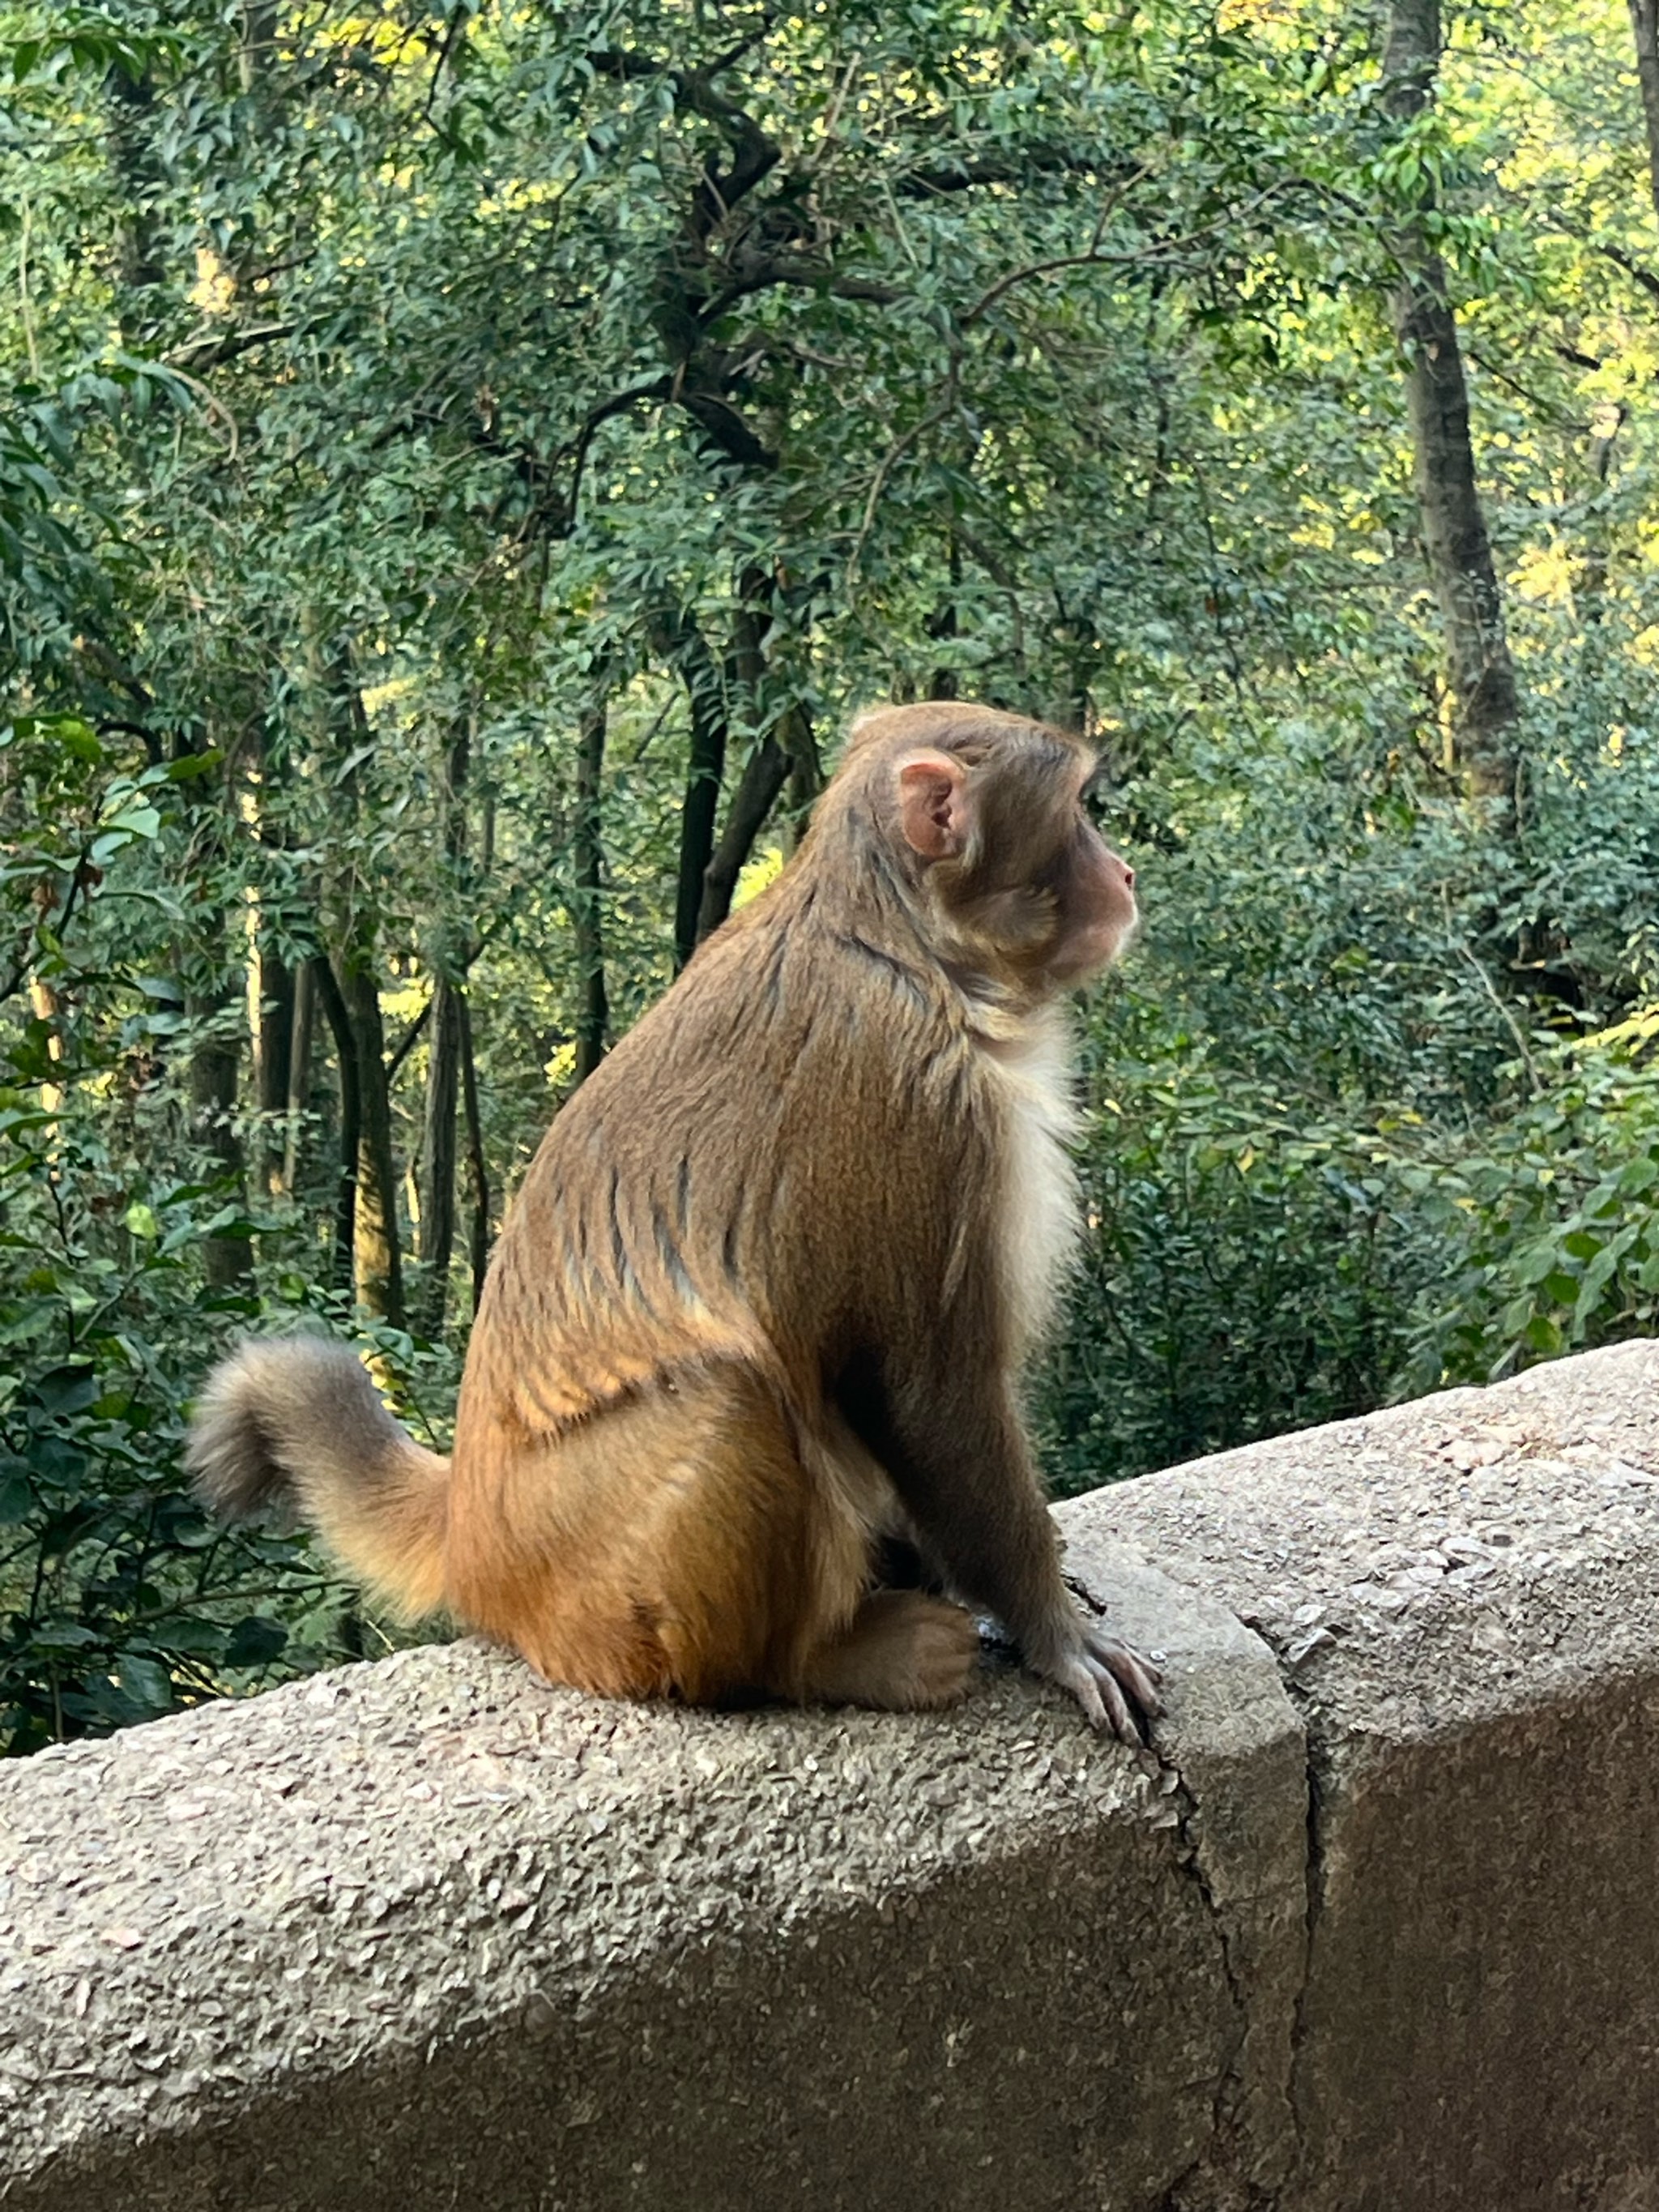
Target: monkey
[{"x": 763, "y": 1302}]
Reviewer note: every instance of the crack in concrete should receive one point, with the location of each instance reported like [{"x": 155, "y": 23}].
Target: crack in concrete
[
  {"x": 1295, "y": 2088},
  {"x": 1219, "y": 2158},
  {"x": 1225, "y": 2135},
  {"x": 1221, "y": 2153},
  {"x": 1317, "y": 1768}
]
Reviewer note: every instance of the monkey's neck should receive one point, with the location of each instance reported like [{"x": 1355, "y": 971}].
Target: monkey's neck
[{"x": 1004, "y": 1016}]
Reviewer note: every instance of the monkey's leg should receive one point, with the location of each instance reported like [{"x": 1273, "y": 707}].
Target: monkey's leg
[
  {"x": 964, "y": 1469},
  {"x": 903, "y": 1652},
  {"x": 673, "y": 1545}
]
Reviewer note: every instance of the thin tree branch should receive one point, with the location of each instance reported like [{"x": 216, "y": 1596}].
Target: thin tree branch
[
  {"x": 1633, "y": 270},
  {"x": 214, "y": 352},
  {"x": 1094, "y": 259},
  {"x": 452, "y": 31},
  {"x": 408, "y": 1042},
  {"x": 895, "y": 452}
]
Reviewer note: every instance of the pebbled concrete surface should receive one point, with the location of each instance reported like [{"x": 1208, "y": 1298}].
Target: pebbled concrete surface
[
  {"x": 428, "y": 1934},
  {"x": 1375, "y": 1931}
]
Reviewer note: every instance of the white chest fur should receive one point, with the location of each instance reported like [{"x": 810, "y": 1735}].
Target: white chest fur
[{"x": 1030, "y": 1077}]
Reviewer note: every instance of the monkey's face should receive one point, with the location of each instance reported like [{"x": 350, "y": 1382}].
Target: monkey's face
[
  {"x": 1018, "y": 879},
  {"x": 1095, "y": 904},
  {"x": 1038, "y": 878}
]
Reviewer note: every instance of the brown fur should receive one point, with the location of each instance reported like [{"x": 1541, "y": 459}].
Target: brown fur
[
  {"x": 763, "y": 1297},
  {"x": 296, "y": 1422}
]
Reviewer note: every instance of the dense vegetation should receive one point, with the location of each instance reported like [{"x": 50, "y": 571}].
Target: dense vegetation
[{"x": 459, "y": 469}]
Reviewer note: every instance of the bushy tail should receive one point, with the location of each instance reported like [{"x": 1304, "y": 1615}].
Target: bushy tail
[{"x": 295, "y": 1422}]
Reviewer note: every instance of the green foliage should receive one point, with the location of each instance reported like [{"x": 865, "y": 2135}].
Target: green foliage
[
  {"x": 384, "y": 389},
  {"x": 121, "y": 1600},
  {"x": 1199, "y": 1320},
  {"x": 1550, "y": 1224}
]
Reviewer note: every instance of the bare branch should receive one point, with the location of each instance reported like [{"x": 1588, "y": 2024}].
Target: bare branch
[
  {"x": 452, "y": 31},
  {"x": 1633, "y": 270},
  {"x": 659, "y": 388},
  {"x": 409, "y": 1040},
  {"x": 754, "y": 153}
]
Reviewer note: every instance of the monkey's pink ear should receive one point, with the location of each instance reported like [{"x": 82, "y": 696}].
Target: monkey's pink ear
[{"x": 933, "y": 805}]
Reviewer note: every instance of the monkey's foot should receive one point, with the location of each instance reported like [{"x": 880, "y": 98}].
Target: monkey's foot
[
  {"x": 903, "y": 1653},
  {"x": 1109, "y": 1680}
]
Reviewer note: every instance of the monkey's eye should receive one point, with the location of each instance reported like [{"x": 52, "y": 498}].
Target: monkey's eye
[{"x": 1093, "y": 796}]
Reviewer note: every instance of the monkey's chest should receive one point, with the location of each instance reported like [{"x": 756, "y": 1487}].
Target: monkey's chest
[{"x": 1037, "y": 1229}]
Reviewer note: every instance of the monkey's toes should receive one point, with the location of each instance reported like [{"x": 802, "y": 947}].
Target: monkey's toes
[
  {"x": 903, "y": 1653},
  {"x": 944, "y": 1652}
]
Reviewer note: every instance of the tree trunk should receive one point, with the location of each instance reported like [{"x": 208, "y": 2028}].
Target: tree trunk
[
  {"x": 1644, "y": 25},
  {"x": 941, "y": 626},
  {"x": 351, "y": 1118},
  {"x": 256, "y": 43},
  {"x": 227, "y": 1261},
  {"x": 764, "y": 774},
  {"x": 366, "y": 1229},
  {"x": 697, "y": 816},
  {"x": 479, "y": 1241},
  {"x": 1644, "y": 22},
  {"x": 438, "y": 1152},
  {"x": 785, "y": 753},
  {"x": 1454, "y": 537},
  {"x": 805, "y": 774},
  {"x": 271, "y": 989},
  {"x": 448, "y": 958},
  {"x": 299, "y": 1071},
  {"x": 377, "y": 1266},
  {"x": 593, "y": 1009},
  {"x": 678, "y": 638}
]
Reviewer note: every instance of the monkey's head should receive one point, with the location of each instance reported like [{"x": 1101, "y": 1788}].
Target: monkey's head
[{"x": 985, "y": 813}]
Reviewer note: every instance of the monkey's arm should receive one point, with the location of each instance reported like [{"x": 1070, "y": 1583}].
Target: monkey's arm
[{"x": 964, "y": 1468}]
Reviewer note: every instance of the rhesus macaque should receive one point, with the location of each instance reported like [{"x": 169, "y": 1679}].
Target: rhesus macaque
[{"x": 762, "y": 1302}]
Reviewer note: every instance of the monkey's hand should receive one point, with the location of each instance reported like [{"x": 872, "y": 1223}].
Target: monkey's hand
[{"x": 1109, "y": 1678}]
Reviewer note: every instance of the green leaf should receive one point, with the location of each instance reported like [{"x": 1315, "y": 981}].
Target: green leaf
[
  {"x": 191, "y": 766},
  {"x": 146, "y": 1681},
  {"x": 67, "y": 1389},
  {"x": 135, "y": 821},
  {"x": 255, "y": 1642}
]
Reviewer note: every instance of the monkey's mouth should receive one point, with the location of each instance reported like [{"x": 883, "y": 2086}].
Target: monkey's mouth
[{"x": 1092, "y": 951}]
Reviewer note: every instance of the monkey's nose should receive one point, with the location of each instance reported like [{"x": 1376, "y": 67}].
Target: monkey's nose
[{"x": 1128, "y": 878}]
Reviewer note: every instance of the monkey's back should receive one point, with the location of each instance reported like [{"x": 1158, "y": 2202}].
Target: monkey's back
[{"x": 722, "y": 1186}]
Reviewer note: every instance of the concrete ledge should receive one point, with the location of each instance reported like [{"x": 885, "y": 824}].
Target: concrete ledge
[
  {"x": 1464, "y": 1597},
  {"x": 1374, "y": 1929}
]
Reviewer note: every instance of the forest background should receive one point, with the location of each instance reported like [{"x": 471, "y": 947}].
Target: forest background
[{"x": 460, "y": 471}]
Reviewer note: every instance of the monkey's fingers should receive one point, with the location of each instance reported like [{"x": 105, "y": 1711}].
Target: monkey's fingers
[
  {"x": 1097, "y": 1691},
  {"x": 1137, "y": 1673}
]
